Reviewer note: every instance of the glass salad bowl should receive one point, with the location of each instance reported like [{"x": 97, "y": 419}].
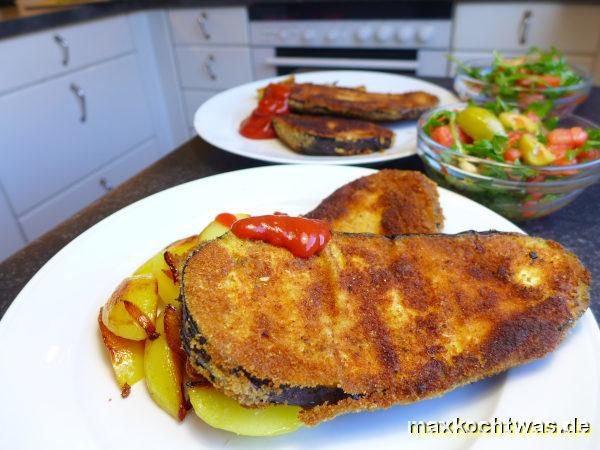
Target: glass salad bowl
[
  {"x": 471, "y": 84},
  {"x": 516, "y": 191}
]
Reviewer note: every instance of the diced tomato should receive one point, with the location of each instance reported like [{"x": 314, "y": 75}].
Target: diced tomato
[
  {"x": 590, "y": 154},
  {"x": 551, "y": 80},
  {"x": 512, "y": 154},
  {"x": 579, "y": 136},
  {"x": 559, "y": 150},
  {"x": 513, "y": 138},
  {"x": 536, "y": 195},
  {"x": 442, "y": 135},
  {"x": 540, "y": 80},
  {"x": 529, "y": 208},
  {"x": 571, "y": 137},
  {"x": 564, "y": 162},
  {"x": 560, "y": 136},
  {"x": 537, "y": 178}
]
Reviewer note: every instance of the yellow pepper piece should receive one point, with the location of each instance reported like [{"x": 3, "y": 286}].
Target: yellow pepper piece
[{"x": 479, "y": 123}]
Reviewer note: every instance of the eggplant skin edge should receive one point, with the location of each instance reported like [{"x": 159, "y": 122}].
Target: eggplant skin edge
[{"x": 310, "y": 143}]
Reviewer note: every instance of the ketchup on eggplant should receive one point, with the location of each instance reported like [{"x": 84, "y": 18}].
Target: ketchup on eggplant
[
  {"x": 303, "y": 237},
  {"x": 273, "y": 102}
]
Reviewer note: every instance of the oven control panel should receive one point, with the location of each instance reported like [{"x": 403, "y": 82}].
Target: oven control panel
[{"x": 412, "y": 34}]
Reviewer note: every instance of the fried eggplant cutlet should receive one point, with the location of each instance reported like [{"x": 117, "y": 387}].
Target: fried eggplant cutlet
[
  {"x": 308, "y": 98},
  {"x": 332, "y": 136},
  {"x": 374, "y": 321},
  {"x": 387, "y": 202}
]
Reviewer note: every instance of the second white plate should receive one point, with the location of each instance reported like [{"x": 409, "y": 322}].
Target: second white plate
[{"x": 218, "y": 120}]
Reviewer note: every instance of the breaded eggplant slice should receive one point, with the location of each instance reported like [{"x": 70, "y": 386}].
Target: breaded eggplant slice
[
  {"x": 331, "y": 136},
  {"x": 307, "y": 98},
  {"x": 374, "y": 321},
  {"x": 387, "y": 202}
]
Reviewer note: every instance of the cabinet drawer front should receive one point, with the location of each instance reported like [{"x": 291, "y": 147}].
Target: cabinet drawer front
[
  {"x": 487, "y": 26},
  {"x": 27, "y": 59},
  {"x": 46, "y": 147},
  {"x": 193, "y": 100},
  {"x": 59, "y": 208},
  {"x": 10, "y": 236},
  {"x": 214, "y": 67},
  {"x": 209, "y": 25}
]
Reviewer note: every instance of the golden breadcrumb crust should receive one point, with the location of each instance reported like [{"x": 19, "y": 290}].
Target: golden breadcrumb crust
[
  {"x": 387, "y": 202},
  {"x": 389, "y": 321}
]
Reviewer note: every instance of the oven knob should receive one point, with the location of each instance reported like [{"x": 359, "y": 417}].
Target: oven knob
[
  {"x": 283, "y": 35},
  {"x": 363, "y": 34},
  {"x": 384, "y": 33},
  {"x": 332, "y": 35},
  {"x": 405, "y": 34},
  {"x": 309, "y": 35},
  {"x": 425, "y": 33}
]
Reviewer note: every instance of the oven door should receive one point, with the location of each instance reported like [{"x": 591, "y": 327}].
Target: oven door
[{"x": 270, "y": 62}]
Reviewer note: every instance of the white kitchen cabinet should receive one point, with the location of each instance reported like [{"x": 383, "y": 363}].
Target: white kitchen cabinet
[
  {"x": 35, "y": 57},
  {"x": 193, "y": 100},
  {"x": 11, "y": 238},
  {"x": 213, "y": 67},
  {"x": 209, "y": 26},
  {"x": 54, "y": 211},
  {"x": 55, "y": 133},
  {"x": 519, "y": 25}
]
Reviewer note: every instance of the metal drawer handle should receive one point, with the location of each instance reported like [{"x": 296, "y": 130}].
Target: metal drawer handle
[
  {"x": 106, "y": 185},
  {"x": 82, "y": 103},
  {"x": 524, "y": 26},
  {"x": 62, "y": 43},
  {"x": 209, "y": 67},
  {"x": 202, "y": 24}
]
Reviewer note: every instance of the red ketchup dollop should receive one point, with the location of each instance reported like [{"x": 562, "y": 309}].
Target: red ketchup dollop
[
  {"x": 226, "y": 219},
  {"x": 303, "y": 237},
  {"x": 273, "y": 102}
]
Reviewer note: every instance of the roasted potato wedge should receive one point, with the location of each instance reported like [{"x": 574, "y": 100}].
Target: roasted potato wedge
[
  {"x": 164, "y": 374},
  {"x": 215, "y": 229},
  {"x": 164, "y": 265},
  {"x": 126, "y": 357},
  {"x": 139, "y": 292},
  {"x": 220, "y": 411}
]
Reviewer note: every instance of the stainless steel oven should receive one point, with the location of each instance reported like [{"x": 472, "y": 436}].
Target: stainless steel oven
[{"x": 399, "y": 37}]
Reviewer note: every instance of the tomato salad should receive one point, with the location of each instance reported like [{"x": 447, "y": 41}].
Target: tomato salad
[
  {"x": 499, "y": 133},
  {"x": 518, "y": 163},
  {"x": 535, "y": 76}
]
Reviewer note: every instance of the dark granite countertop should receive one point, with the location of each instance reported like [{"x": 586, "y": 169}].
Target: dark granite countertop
[{"x": 577, "y": 226}]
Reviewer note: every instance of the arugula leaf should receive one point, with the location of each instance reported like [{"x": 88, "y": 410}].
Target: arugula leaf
[
  {"x": 488, "y": 148},
  {"x": 498, "y": 106},
  {"x": 593, "y": 140},
  {"x": 540, "y": 109},
  {"x": 551, "y": 123},
  {"x": 473, "y": 72}
]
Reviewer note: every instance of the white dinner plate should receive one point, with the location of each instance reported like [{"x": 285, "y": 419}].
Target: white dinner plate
[
  {"x": 57, "y": 386},
  {"x": 217, "y": 121}
]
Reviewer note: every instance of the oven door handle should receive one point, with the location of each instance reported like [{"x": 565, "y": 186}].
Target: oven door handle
[{"x": 348, "y": 63}]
